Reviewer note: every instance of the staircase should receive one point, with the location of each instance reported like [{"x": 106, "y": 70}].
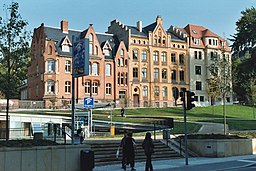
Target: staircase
[{"x": 105, "y": 151}]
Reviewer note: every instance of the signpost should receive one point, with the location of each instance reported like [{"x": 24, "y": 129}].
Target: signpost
[{"x": 80, "y": 67}]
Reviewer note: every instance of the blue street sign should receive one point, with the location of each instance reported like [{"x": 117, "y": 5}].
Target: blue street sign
[
  {"x": 80, "y": 57},
  {"x": 89, "y": 102}
]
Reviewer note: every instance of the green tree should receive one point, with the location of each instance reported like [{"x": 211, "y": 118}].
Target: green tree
[
  {"x": 245, "y": 38},
  {"x": 14, "y": 54},
  {"x": 220, "y": 82}
]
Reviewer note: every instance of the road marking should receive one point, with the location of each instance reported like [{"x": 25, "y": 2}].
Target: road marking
[{"x": 247, "y": 161}]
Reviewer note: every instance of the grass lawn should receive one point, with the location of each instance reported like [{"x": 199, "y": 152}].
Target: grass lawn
[{"x": 239, "y": 118}]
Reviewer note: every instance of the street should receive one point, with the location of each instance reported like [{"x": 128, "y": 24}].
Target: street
[{"x": 236, "y": 165}]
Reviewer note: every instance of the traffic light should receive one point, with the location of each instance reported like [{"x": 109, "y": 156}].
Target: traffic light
[
  {"x": 190, "y": 99},
  {"x": 182, "y": 96}
]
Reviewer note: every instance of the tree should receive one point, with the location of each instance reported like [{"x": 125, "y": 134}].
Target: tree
[
  {"x": 14, "y": 55},
  {"x": 245, "y": 38},
  {"x": 220, "y": 81},
  {"x": 244, "y": 42}
]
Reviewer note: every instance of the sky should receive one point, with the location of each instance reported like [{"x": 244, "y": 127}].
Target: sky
[{"x": 219, "y": 16}]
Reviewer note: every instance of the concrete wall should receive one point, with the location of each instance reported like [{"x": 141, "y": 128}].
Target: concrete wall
[
  {"x": 222, "y": 148},
  {"x": 47, "y": 158}
]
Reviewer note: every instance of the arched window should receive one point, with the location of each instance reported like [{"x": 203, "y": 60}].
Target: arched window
[
  {"x": 95, "y": 69},
  {"x": 50, "y": 50},
  {"x": 50, "y": 64},
  {"x": 108, "y": 70},
  {"x": 122, "y": 52},
  {"x": 91, "y": 37},
  {"x": 95, "y": 50}
]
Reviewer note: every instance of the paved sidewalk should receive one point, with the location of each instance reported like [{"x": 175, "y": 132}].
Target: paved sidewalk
[{"x": 175, "y": 164}]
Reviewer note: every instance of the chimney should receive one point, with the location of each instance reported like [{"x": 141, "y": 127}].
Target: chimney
[
  {"x": 64, "y": 26},
  {"x": 139, "y": 26}
]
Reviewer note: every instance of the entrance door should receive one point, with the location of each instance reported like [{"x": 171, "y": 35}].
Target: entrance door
[{"x": 136, "y": 102}]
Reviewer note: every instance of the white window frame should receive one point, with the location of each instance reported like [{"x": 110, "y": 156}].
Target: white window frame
[{"x": 67, "y": 87}]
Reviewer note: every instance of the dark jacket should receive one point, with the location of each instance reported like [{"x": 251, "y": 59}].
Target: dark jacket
[{"x": 148, "y": 146}]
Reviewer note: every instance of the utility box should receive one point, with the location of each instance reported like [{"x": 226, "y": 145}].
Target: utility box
[
  {"x": 86, "y": 160},
  {"x": 112, "y": 130}
]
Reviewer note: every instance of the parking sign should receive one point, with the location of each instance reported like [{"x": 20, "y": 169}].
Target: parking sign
[{"x": 89, "y": 102}]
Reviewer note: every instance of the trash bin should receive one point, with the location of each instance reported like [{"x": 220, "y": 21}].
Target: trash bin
[
  {"x": 166, "y": 134},
  {"x": 86, "y": 160}
]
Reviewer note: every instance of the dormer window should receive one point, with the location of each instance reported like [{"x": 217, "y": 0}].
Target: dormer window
[
  {"x": 66, "y": 44},
  {"x": 194, "y": 31},
  {"x": 106, "y": 49},
  {"x": 196, "y": 41}
]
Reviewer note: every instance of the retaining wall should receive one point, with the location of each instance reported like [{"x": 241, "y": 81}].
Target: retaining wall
[{"x": 45, "y": 158}]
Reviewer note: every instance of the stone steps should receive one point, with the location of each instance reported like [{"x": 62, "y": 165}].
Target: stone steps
[{"x": 105, "y": 151}]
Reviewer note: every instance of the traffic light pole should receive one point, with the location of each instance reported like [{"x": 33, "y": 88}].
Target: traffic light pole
[{"x": 185, "y": 127}]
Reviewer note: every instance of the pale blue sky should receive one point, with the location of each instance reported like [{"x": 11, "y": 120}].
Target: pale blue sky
[{"x": 217, "y": 15}]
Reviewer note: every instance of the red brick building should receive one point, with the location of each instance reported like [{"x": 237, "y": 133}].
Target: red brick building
[{"x": 49, "y": 73}]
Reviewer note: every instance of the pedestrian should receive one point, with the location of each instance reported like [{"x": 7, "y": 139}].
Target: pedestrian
[
  {"x": 123, "y": 152},
  {"x": 148, "y": 147},
  {"x": 122, "y": 112},
  {"x": 80, "y": 133},
  {"x": 129, "y": 150}
]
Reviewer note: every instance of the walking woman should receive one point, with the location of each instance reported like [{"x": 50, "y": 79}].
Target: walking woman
[{"x": 148, "y": 147}]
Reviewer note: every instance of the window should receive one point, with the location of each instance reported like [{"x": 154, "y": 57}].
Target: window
[
  {"x": 65, "y": 48},
  {"x": 143, "y": 55},
  {"x": 91, "y": 37},
  {"x": 68, "y": 66},
  {"x": 156, "y": 73},
  {"x": 198, "y": 85},
  {"x": 108, "y": 70},
  {"x": 67, "y": 87},
  {"x": 122, "y": 94},
  {"x": 154, "y": 41},
  {"x": 95, "y": 88},
  {"x": 106, "y": 51},
  {"x": 144, "y": 73},
  {"x": 201, "y": 98},
  {"x": 173, "y": 75},
  {"x": 135, "y": 54},
  {"x": 122, "y": 52},
  {"x": 90, "y": 49},
  {"x": 95, "y": 69},
  {"x": 163, "y": 56},
  {"x": 195, "y": 54},
  {"x": 182, "y": 76},
  {"x": 87, "y": 88},
  {"x": 156, "y": 91},
  {"x": 50, "y": 87},
  {"x": 95, "y": 50},
  {"x": 108, "y": 89},
  {"x": 196, "y": 98},
  {"x": 135, "y": 72},
  {"x": 155, "y": 56},
  {"x": 173, "y": 58},
  {"x": 145, "y": 91},
  {"x": 159, "y": 39},
  {"x": 198, "y": 70},
  {"x": 118, "y": 78},
  {"x": 50, "y": 50},
  {"x": 164, "y": 74},
  {"x": 164, "y": 92},
  {"x": 51, "y": 65},
  {"x": 181, "y": 59},
  {"x": 121, "y": 62},
  {"x": 210, "y": 41},
  {"x": 196, "y": 41},
  {"x": 200, "y": 55},
  {"x": 122, "y": 78}
]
